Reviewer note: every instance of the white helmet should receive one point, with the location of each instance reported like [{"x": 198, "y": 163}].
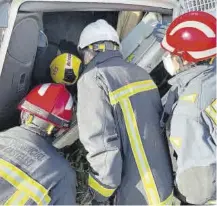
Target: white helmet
[{"x": 97, "y": 31}]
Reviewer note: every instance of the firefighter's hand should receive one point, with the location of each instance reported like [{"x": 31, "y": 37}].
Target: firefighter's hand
[
  {"x": 88, "y": 197},
  {"x": 160, "y": 31}
]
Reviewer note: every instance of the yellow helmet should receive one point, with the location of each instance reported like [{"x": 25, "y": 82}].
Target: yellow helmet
[{"x": 65, "y": 69}]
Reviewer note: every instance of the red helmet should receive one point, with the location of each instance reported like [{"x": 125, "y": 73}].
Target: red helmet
[
  {"x": 50, "y": 102},
  {"x": 192, "y": 36}
]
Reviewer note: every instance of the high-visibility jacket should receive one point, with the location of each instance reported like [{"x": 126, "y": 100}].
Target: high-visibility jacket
[
  {"x": 118, "y": 113},
  {"x": 32, "y": 172},
  {"x": 192, "y": 105}
]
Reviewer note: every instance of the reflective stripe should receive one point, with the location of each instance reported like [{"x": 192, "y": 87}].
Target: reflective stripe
[
  {"x": 211, "y": 202},
  {"x": 103, "y": 47},
  {"x": 24, "y": 183},
  {"x": 130, "y": 58},
  {"x": 190, "y": 98},
  {"x": 43, "y": 89},
  {"x": 194, "y": 24},
  {"x": 44, "y": 114},
  {"x": 176, "y": 142},
  {"x": 214, "y": 105},
  {"x": 168, "y": 201},
  {"x": 122, "y": 95},
  {"x": 212, "y": 60},
  {"x": 139, "y": 153},
  {"x": 99, "y": 47},
  {"x": 99, "y": 188},
  {"x": 69, "y": 104},
  {"x": 211, "y": 112},
  {"x": 18, "y": 198},
  {"x": 131, "y": 89}
]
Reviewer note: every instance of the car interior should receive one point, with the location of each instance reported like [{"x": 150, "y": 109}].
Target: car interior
[{"x": 27, "y": 64}]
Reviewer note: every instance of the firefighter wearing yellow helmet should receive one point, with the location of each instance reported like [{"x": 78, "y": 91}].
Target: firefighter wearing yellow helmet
[{"x": 65, "y": 69}]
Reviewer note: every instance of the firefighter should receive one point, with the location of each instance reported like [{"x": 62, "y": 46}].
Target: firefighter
[
  {"x": 190, "y": 44},
  {"x": 118, "y": 113},
  {"x": 65, "y": 69},
  {"x": 31, "y": 170}
]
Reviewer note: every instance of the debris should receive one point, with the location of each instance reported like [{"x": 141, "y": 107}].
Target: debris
[{"x": 76, "y": 156}]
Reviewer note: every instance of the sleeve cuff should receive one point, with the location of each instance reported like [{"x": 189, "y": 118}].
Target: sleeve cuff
[{"x": 103, "y": 190}]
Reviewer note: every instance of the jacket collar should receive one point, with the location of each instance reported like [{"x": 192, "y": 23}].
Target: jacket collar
[
  {"x": 183, "y": 78},
  {"x": 102, "y": 57}
]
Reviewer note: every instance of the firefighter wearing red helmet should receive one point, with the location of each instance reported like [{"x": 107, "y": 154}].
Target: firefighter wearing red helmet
[
  {"x": 31, "y": 170},
  {"x": 190, "y": 44}
]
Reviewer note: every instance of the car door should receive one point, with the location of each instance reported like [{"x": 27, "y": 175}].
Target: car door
[{"x": 16, "y": 73}]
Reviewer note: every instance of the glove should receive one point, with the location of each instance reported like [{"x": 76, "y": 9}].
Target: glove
[
  {"x": 88, "y": 197},
  {"x": 160, "y": 31}
]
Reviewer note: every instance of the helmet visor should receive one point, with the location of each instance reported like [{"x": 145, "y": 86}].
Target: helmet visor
[{"x": 171, "y": 63}]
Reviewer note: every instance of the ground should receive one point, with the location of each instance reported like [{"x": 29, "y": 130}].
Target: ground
[{"x": 76, "y": 155}]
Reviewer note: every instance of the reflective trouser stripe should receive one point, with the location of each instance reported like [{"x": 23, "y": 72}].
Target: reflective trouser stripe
[
  {"x": 18, "y": 198},
  {"x": 131, "y": 89},
  {"x": 139, "y": 153},
  {"x": 99, "y": 188},
  {"x": 22, "y": 182}
]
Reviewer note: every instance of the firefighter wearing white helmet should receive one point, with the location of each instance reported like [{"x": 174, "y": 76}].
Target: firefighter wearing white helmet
[
  {"x": 31, "y": 170},
  {"x": 118, "y": 113},
  {"x": 190, "y": 42}
]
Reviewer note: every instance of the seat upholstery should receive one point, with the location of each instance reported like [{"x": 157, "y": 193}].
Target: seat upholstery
[{"x": 16, "y": 75}]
